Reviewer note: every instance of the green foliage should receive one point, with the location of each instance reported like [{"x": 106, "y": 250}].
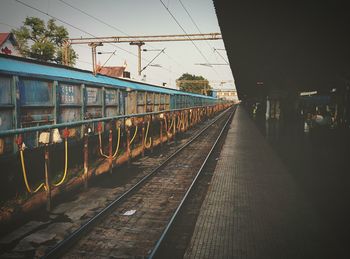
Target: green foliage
[
  {"x": 199, "y": 84},
  {"x": 42, "y": 42}
]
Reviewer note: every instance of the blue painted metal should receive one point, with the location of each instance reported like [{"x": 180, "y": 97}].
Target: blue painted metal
[
  {"x": 172, "y": 102},
  {"x": 111, "y": 111},
  {"x": 162, "y": 99},
  {"x": 5, "y": 90},
  {"x": 68, "y": 114},
  {"x": 56, "y": 110},
  {"x": 122, "y": 96},
  {"x": 111, "y": 97},
  {"x": 93, "y": 96},
  {"x": 27, "y": 68},
  {"x": 15, "y": 111},
  {"x": 141, "y": 102},
  {"x": 83, "y": 101},
  {"x": 70, "y": 102},
  {"x": 69, "y": 94},
  {"x": 103, "y": 100},
  {"x": 156, "y": 98},
  {"x": 82, "y": 122},
  {"x": 36, "y": 95},
  {"x": 82, "y": 108},
  {"x": 6, "y": 119},
  {"x": 6, "y": 110},
  {"x": 140, "y": 98},
  {"x": 34, "y": 116},
  {"x": 93, "y": 112},
  {"x": 94, "y": 107},
  {"x": 35, "y": 92}
]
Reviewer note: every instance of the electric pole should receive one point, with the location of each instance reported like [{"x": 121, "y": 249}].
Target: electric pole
[
  {"x": 138, "y": 44},
  {"x": 93, "y": 46},
  {"x": 133, "y": 40}
]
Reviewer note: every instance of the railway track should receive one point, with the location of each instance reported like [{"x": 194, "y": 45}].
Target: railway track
[{"x": 136, "y": 223}]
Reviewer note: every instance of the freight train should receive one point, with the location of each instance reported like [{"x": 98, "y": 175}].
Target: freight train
[{"x": 34, "y": 93}]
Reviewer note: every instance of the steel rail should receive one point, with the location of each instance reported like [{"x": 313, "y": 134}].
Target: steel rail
[
  {"x": 171, "y": 221},
  {"x": 65, "y": 244}
]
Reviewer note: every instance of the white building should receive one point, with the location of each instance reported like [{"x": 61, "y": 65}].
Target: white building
[{"x": 226, "y": 94}]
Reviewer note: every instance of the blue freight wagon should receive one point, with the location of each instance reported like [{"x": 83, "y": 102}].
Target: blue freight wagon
[{"x": 35, "y": 93}]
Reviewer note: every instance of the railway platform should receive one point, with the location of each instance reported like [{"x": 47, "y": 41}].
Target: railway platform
[{"x": 254, "y": 208}]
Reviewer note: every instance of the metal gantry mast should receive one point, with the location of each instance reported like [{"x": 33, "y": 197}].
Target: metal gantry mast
[{"x": 133, "y": 40}]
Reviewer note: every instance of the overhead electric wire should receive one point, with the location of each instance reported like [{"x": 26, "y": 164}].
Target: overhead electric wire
[
  {"x": 117, "y": 29},
  {"x": 88, "y": 33},
  {"x": 107, "y": 59},
  {"x": 195, "y": 24},
  {"x": 13, "y": 27},
  {"x": 221, "y": 56},
  {"x": 162, "y": 51},
  {"x": 93, "y": 17},
  {"x": 58, "y": 19},
  {"x": 178, "y": 23},
  {"x": 83, "y": 61},
  {"x": 113, "y": 27},
  {"x": 69, "y": 24},
  {"x": 83, "y": 46}
]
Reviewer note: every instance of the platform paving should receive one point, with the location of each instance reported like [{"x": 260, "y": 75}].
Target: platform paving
[{"x": 254, "y": 207}]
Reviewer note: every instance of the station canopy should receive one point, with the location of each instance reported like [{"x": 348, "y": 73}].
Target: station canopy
[{"x": 288, "y": 45}]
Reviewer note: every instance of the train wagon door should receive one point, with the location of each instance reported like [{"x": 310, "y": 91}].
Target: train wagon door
[
  {"x": 150, "y": 101},
  {"x": 70, "y": 105},
  {"x": 122, "y": 100},
  {"x": 93, "y": 102},
  {"x": 141, "y": 102},
  {"x": 7, "y": 111},
  {"x": 69, "y": 102},
  {"x": 172, "y": 102},
  {"x": 37, "y": 106},
  {"x": 111, "y": 102},
  {"x": 131, "y": 102},
  {"x": 156, "y": 102},
  {"x": 167, "y": 102}
]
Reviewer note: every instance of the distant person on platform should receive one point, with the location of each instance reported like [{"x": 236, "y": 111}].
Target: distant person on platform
[{"x": 322, "y": 119}]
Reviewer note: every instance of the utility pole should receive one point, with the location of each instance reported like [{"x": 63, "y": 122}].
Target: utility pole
[
  {"x": 138, "y": 44},
  {"x": 93, "y": 46},
  {"x": 134, "y": 40},
  {"x": 65, "y": 51}
]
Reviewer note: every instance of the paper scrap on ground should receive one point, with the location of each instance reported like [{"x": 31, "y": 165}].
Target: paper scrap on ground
[{"x": 129, "y": 212}]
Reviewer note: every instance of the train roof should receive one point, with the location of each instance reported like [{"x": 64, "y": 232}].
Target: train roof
[{"x": 33, "y": 68}]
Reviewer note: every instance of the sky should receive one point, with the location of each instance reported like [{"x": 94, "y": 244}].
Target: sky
[{"x": 136, "y": 17}]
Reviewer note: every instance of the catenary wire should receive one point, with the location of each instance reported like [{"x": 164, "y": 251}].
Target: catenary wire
[
  {"x": 117, "y": 29},
  {"x": 221, "y": 56},
  {"x": 195, "y": 24},
  {"x": 181, "y": 27},
  {"x": 69, "y": 24}
]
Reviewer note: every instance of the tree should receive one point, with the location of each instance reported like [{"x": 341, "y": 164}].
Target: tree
[
  {"x": 193, "y": 84},
  {"x": 43, "y": 42}
]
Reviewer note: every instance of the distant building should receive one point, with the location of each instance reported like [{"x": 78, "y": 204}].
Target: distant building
[
  {"x": 8, "y": 44},
  {"x": 226, "y": 94},
  {"x": 117, "y": 71}
]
